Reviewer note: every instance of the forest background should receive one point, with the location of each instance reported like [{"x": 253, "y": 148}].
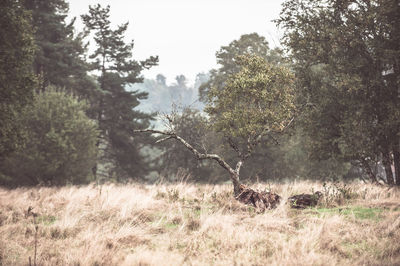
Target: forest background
[{"x": 68, "y": 113}]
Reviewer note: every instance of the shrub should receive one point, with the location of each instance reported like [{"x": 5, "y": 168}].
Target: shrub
[{"x": 60, "y": 146}]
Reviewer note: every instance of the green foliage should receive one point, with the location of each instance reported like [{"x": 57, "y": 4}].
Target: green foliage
[
  {"x": 276, "y": 155},
  {"x": 59, "y": 59},
  {"x": 361, "y": 213},
  {"x": 16, "y": 78},
  {"x": 60, "y": 146},
  {"x": 287, "y": 157},
  {"x": 226, "y": 57},
  {"x": 346, "y": 55},
  {"x": 250, "y": 101},
  {"x": 257, "y": 100},
  {"x": 114, "y": 107}
]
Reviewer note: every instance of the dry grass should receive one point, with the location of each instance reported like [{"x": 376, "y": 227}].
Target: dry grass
[{"x": 187, "y": 224}]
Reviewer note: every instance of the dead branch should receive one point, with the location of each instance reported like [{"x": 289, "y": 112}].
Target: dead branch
[
  {"x": 234, "y": 175},
  {"x": 163, "y": 139}
]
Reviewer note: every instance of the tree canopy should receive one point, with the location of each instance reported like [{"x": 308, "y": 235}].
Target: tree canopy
[
  {"x": 346, "y": 56},
  {"x": 17, "y": 81},
  {"x": 257, "y": 100},
  {"x": 60, "y": 56},
  {"x": 226, "y": 57}
]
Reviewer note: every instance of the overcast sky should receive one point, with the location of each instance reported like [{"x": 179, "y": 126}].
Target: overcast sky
[{"x": 185, "y": 34}]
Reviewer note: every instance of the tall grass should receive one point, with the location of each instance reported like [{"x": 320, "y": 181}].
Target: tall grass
[{"x": 188, "y": 224}]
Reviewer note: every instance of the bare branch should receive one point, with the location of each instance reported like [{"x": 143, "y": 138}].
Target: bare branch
[
  {"x": 250, "y": 147},
  {"x": 234, "y": 147},
  {"x": 164, "y": 139},
  {"x": 234, "y": 174},
  {"x": 290, "y": 122},
  {"x": 153, "y": 131}
]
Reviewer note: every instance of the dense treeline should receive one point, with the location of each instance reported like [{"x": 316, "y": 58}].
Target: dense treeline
[
  {"x": 61, "y": 123},
  {"x": 346, "y": 58},
  {"x": 17, "y": 48},
  {"x": 325, "y": 106}
]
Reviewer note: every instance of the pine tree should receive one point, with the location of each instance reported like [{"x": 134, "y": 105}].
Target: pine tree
[
  {"x": 60, "y": 57},
  {"x": 115, "y": 105},
  {"x": 16, "y": 78}
]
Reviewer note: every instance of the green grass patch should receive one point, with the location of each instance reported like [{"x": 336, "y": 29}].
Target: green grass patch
[
  {"x": 46, "y": 219},
  {"x": 355, "y": 249},
  {"x": 171, "y": 225},
  {"x": 197, "y": 211},
  {"x": 358, "y": 212}
]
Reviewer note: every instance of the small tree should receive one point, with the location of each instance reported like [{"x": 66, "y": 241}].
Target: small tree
[
  {"x": 61, "y": 142},
  {"x": 256, "y": 103}
]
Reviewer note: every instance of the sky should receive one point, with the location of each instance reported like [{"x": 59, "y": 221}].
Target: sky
[{"x": 186, "y": 34}]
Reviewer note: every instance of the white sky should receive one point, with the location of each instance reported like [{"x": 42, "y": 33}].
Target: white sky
[{"x": 185, "y": 34}]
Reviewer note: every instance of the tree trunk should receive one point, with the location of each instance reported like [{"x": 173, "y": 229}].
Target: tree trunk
[
  {"x": 100, "y": 112},
  {"x": 369, "y": 171},
  {"x": 387, "y": 163},
  {"x": 236, "y": 185},
  {"x": 99, "y": 120},
  {"x": 396, "y": 87},
  {"x": 396, "y": 157}
]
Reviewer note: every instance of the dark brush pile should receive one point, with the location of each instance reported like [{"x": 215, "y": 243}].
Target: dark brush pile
[
  {"x": 304, "y": 200},
  {"x": 259, "y": 200}
]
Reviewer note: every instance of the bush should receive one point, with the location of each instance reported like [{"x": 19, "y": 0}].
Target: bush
[{"x": 60, "y": 146}]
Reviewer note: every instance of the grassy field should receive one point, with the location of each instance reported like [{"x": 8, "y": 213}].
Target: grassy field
[{"x": 189, "y": 224}]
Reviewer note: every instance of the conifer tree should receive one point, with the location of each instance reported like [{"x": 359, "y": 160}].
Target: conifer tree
[
  {"x": 60, "y": 57},
  {"x": 16, "y": 78},
  {"x": 115, "y": 105}
]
